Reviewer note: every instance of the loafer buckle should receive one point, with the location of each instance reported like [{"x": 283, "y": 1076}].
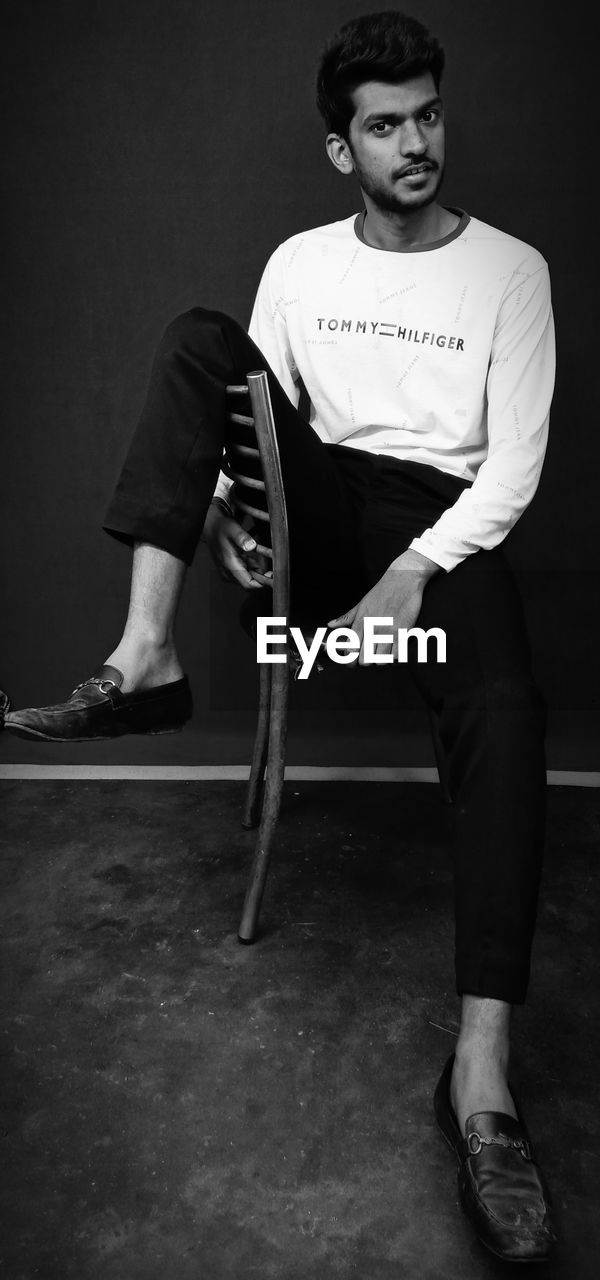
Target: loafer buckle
[
  {"x": 476, "y": 1143},
  {"x": 111, "y": 684}
]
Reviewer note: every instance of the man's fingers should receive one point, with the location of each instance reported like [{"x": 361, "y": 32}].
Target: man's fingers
[
  {"x": 259, "y": 567},
  {"x": 353, "y": 619},
  {"x": 235, "y": 568},
  {"x": 234, "y": 546},
  {"x": 345, "y": 619},
  {"x": 240, "y": 537},
  {"x": 241, "y": 577}
]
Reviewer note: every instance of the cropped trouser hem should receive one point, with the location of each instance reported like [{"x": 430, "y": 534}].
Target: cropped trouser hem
[
  {"x": 148, "y": 527},
  {"x": 509, "y": 985}
]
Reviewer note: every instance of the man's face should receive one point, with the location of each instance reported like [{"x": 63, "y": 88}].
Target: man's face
[{"x": 396, "y": 140}]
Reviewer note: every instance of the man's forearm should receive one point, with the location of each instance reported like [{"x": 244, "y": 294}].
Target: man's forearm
[{"x": 416, "y": 562}]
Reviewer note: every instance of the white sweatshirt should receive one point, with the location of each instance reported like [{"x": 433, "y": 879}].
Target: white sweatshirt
[{"x": 443, "y": 354}]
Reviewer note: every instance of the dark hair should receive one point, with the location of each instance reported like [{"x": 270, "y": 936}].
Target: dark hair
[{"x": 387, "y": 46}]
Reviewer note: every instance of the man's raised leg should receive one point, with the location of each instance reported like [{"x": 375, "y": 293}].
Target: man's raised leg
[{"x": 162, "y": 504}]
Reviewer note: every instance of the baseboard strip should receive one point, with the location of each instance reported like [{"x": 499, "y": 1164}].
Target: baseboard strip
[{"x": 239, "y": 772}]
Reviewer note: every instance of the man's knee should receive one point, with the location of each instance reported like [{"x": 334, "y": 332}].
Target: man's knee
[{"x": 191, "y": 330}]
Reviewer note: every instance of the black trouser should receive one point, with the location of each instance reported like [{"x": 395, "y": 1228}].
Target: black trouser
[{"x": 350, "y": 514}]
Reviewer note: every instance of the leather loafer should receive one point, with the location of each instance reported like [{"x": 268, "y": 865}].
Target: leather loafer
[
  {"x": 501, "y": 1188},
  {"x": 97, "y": 709}
]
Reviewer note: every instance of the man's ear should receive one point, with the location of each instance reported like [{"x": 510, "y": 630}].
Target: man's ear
[{"x": 338, "y": 150}]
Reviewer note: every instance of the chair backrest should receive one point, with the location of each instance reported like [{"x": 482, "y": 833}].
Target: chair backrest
[{"x": 252, "y": 461}]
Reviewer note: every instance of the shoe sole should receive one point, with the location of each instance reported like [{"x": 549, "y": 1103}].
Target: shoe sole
[{"x": 33, "y": 735}]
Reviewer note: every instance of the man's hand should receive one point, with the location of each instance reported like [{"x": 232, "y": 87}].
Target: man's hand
[
  {"x": 398, "y": 595},
  {"x": 234, "y": 552}
]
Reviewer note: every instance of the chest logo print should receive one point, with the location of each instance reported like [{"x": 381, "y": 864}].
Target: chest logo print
[{"x": 385, "y": 329}]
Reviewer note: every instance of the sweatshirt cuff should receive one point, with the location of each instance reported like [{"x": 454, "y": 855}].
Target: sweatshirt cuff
[
  {"x": 438, "y": 550},
  {"x": 224, "y": 489}
]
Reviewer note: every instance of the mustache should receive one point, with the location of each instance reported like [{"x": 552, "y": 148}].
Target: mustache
[{"x": 416, "y": 164}]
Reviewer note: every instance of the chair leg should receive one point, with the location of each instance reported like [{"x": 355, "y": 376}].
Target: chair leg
[
  {"x": 271, "y": 804},
  {"x": 254, "y": 792},
  {"x": 440, "y": 757}
]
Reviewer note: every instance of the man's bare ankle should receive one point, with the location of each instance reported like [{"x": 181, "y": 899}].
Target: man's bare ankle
[
  {"x": 482, "y": 1056},
  {"x": 145, "y": 664},
  {"x": 480, "y": 1083}
]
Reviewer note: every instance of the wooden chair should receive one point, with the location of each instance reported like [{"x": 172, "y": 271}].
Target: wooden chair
[{"x": 252, "y": 461}]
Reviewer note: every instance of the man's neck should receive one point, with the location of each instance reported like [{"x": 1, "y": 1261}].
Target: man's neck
[{"x": 398, "y": 232}]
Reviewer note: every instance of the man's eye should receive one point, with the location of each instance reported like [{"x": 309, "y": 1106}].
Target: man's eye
[
  {"x": 380, "y": 127},
  {"x": 429, "y": 116}
]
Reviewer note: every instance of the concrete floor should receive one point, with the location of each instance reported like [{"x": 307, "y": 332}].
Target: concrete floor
[{"x": 179, "y": 1106}]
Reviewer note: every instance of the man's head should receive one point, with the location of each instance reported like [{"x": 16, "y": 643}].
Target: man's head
[{"x": 378, "y": 92}]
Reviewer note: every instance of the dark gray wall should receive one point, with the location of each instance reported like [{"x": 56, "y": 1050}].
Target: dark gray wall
[{"x": 156, "y": 153}]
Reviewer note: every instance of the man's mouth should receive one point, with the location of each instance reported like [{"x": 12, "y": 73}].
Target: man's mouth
[{"x": 414, "y": 169}]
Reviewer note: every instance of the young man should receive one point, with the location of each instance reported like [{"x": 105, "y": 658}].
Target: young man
[{"x": 423, "y": 339}]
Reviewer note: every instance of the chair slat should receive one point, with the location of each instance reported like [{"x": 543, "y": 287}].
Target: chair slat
[
  {"x": 234, "y": 390},
  {"x": 251, "y": 511},
  {"x": 241, "y": 418},
  {"x": 244, "y": 449},
  {"x": 249, "y": 481}
]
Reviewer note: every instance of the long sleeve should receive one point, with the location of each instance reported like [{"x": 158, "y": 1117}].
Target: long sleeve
[{"x": 519, "y": 390}]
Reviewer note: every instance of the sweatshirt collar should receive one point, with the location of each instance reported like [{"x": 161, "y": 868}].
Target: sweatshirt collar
[{"x": 464, "y": 220}]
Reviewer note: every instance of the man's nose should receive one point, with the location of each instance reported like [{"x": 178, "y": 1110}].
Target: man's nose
[{"x": 412, "y": 139}]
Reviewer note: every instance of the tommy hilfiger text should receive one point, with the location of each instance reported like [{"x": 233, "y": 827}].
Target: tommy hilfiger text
[{"x": 389, "y": 330}]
